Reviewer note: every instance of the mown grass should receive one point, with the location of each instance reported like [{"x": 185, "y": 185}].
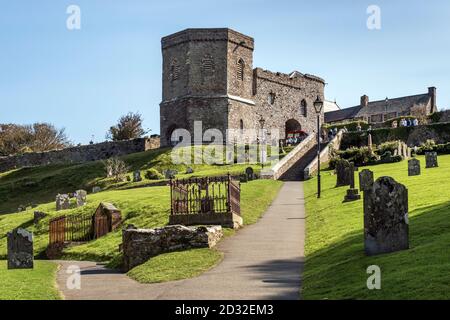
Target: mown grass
[
  {"x": 29, "y": 284},
  {"x": 335, "y": 261},
  {"x": 176, "y": 265}
]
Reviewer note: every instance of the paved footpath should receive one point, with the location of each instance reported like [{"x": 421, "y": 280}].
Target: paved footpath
[{"x": 262, "y": 261}]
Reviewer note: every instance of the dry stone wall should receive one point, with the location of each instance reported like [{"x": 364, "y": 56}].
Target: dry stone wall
[{"x": 79, "y": 154}]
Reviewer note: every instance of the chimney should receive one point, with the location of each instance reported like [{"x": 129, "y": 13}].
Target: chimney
[
  {"x": 432, "y": 95},
  {"x": 364, "y": 101}
]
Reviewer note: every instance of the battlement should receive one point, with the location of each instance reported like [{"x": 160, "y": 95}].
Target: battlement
[
  {"x": 207, "y": 34},
  {"x": 295, "y": 79}
]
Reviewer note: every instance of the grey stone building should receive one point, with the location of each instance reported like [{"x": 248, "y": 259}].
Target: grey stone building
[
  {"x": 383, "y": 110},
  {"x": 208, "y": 76}
]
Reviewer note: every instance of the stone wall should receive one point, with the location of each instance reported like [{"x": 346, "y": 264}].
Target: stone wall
[
  {"x": 325, "y": 155},
  {"x": 139, "y": 245},
  {"x": 79, "y": 154}
]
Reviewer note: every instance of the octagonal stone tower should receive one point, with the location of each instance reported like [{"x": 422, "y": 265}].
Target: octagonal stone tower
[{"x": 204, "y": 70}]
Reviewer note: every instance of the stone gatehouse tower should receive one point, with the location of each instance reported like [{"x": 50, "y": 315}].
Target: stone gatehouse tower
[{"x": 208, "y": 76}]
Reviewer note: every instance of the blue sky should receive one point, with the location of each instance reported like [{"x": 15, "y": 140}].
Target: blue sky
[{"x": 84, "y": 80}]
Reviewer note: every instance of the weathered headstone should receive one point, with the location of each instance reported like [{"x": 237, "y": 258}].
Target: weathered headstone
[
  {"x": 62, "y": 202},
  {"x": 20, "y": 249},
  {"x": 365, "y": 180},
  {"x": 189, "y": 170},
  {"x": 249, "y": 173},
  {"x": 431, "y": 159},
  {"x": 96, "y": 189},
  {"x": 137, "y": 176},
  {"x": 38, "y": 216},
  {"x": 405, "y": 151},
  {"x": 386, "y": 217},
  {"x": 413, "y": 167},
  {"x": 81, "y": 197},
  {"x": 344, "y": 173},
  {"x": 352, "y": 192},
  {"x": 170, "y": 174}
]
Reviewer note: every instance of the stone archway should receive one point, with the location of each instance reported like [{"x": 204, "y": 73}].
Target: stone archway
[
  {"x": 292, "y": 125},
  {"x": 169, "y": 132}
]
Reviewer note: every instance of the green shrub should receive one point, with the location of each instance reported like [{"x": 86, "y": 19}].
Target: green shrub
[
  {"x": 387, "y": 146},
  {"x": 350, "y": 125},
  {"x": 153, "y": 174},
  {"x": 439, "y": 148},
  {"x": 359, "y": 156},
  {"x": 435, "y": 117}
]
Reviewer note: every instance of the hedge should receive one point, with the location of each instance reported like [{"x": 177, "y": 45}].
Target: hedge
[{"x": 440, "y": 132}]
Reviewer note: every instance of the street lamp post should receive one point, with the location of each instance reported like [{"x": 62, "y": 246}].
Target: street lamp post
[
  {"x": 261, "y": 123},
  {"x": 318, "y": 105}
]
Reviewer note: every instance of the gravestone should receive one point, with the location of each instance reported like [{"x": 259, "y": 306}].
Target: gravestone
[
  {"x": 38, "y": 216},
  {"x": 352, "y": 192},
  {"x": 365, "y": 180},
  {"x": 62, "y": 202},
  {"x": 20, "y": 249},
  {"x": 405, "y": 151},
  {"x": 189, "y": 170},
  {"x": 386, "y": 217},
  {"x": 137, "y": 176},
  {"x": 344, "y": 172},
  {"x": 413, "y": 167},
  {"x": 96, "y": 189},
  {"x": 170, "y": 174},
  {"x": 431, "y": 160},
  {"x": 249, "y": 173},
  {"x": 81, "y": 197}
]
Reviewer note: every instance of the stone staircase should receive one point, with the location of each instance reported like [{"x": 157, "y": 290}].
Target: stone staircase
[{"x": 296, "y": 171}]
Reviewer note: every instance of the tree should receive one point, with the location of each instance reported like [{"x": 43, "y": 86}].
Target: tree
[
  {"x": 128, "y": 127},
  {"x": 38, "y": 137},
  {"x": 116, "y": 169}
]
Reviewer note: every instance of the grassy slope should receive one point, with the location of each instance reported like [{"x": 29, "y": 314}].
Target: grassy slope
[
  {"x": 41, "y": 184},
  {"x": 336, "y": 264},
  {"x": 36, "y": 284}
]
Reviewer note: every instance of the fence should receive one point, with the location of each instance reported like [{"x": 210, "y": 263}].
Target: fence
[
  {"x": 77, "y": 228},
  {"x": 205, "y": 195}
]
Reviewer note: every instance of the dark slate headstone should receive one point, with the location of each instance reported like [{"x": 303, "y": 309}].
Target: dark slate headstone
[
  {"x": 413, "y": 167},
  {"x": 249, "y": 173},
  {"x": 38, "y": 216},
  {"x": 20, "y": 249},
  {"x": 137, "y": 176},
  {"x": 431, "y": 159},
  {"x": 344, "y": 172},
  {"x": 386, "y": 217},
  {"x": 365, "y": 180}
]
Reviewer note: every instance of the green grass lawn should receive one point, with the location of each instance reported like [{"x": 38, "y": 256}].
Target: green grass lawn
[
  {"x": 335, "y": 261},
  {"x": 29, "y": 284}
]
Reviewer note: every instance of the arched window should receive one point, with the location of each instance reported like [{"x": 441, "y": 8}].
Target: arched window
[
  {"x": 241, "y": 124},
  {"x": 174, "y": 70},
  {"x": 240, "y": 69},
  {"x": 304, "y": 108},
  {"x": 271, "y": 98}
]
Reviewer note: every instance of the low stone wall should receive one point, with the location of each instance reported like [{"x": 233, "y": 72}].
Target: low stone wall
[
  {"x": 277, "y": 170},
  {"x": 79, "y": 154},
  {"x": 227, "y": 220},
  {"x": 335, "y": 144},
  {"x": 139, "y": 245}
]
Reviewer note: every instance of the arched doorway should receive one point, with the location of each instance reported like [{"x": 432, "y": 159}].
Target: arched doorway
[
  {"x": 169, "y": 132},
  {"x": 293, "y": 132}
]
